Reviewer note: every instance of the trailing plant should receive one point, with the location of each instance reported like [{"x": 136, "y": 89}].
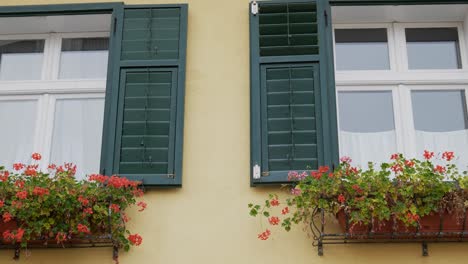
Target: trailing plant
[
  {"x": 402, "y": 190},
  {"x": 53, "y": 205}
]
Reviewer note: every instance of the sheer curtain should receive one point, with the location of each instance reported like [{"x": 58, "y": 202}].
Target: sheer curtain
[
  {"x": 77, "y": 134},
  {"x": 367, "y": 127},
  {"x": 364, "y": 147},
  {"x": 18, "y": 119},
  {"x": 456, "y": 141}
]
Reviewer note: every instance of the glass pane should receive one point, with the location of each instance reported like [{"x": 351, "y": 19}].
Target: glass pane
[
  {"x": 84, "y": 58},
  {"x": 16, "y": 142},
  {"x": 77, "y": 134},
  {"x": 433, "y": 48},
  {"x": 439, "y": 111},
  {"x": 441, "y": 123},
  {"x": 21, "y": 59},
  {"x": 367, "y": 127},
  {"x": 361, "y": 49}
]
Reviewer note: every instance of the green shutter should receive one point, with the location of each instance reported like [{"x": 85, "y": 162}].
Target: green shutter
[
  {"x": 292, "y": 89},
  {"x": 145, "y": 131}
]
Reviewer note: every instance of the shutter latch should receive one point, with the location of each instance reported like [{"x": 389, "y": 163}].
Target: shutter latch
[
  {"x": 256, "y": 172},
  {"x": 170, "y": 176},
  {"x": 265, "y": 173},
  {"x": 254, "y": 8}
]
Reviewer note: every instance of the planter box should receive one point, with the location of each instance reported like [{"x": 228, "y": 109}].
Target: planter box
[{"x": 435, "y": 225}]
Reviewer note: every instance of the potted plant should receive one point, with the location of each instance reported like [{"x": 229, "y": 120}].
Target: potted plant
[
  {"x": 54, "y": 207},
  {"x": 401, "y": 196}
]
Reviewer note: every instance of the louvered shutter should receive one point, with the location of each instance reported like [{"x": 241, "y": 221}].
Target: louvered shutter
[
  {"x": 146, "y": 141},
  {"x": 292, "y": 93}
]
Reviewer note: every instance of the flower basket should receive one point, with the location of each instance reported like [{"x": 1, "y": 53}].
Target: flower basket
[{"x": 53, "y": 209}]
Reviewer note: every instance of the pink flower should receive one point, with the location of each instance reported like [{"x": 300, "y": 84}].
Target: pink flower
[
  {"x": 274, "y": 202},
  {"x": 285, "y": 210},
  {"x": 295, "y": 191},
  {"x": 36, "y": 156},
  {"x": 274, "y": 220},
  {"x": 264, "y": 235},
  {"x": 346, "y": 159},
  {"x": 292, "y": 175},
  {"x": 142, "y": 206}
]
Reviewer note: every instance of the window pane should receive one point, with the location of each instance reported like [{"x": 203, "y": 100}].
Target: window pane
[
  {"x": 433, "y": 48},
  {"x": 439, "y": 111},
  {"x": 77, "y": 134},
  {"x": 440, "y": 120},
  {"x": 362, "y": 49},
  {"x": 16, "y": 142},
  {"x": 26, "y": 55},
  {"x": 367, "y": 129},
  {"x": 84, "y": 58}
]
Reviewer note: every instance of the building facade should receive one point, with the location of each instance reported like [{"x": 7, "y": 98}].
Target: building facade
[{"x": 211, "y": 103}]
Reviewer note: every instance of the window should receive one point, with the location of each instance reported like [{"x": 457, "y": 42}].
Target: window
[
  {"x": 418, "y": 100},
  {"x": 290, "y": 98},
  {"x": 103, "y": 89},
  {"x": 60, "y": 119}
]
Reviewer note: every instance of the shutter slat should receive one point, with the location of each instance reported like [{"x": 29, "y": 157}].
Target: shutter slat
[
  {"x": 288, "y": 29},
  {"x": 290, "y": 117}
]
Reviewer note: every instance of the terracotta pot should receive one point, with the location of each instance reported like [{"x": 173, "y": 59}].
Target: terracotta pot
[
  {"x": 379, "y": 229},
  {"x": 443, "y": 222}
]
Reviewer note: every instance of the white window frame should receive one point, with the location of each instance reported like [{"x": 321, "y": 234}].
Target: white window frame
[
  {"x": 50, "y": 88},
  {"x": 401, "y": 80}
]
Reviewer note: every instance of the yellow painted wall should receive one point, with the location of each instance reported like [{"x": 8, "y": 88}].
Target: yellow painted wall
[{"x": 206, "y": 221}]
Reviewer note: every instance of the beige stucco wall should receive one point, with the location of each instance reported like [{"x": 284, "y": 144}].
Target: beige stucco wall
[{"x": 206, "y": 221}]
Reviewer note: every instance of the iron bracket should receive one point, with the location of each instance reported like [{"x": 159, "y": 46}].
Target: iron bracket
[{"x": 425, "y": 250}]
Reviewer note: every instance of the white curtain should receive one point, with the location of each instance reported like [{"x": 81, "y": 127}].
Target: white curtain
[
  {"x": 21, "y": 66},
  {"x": 439, "y": 142},
  {"x": 83, "y": 64},
  {"x": 78, "y": 133},
  {"x": 18, "y": 119},
  {"x": 364, "y": 147}
]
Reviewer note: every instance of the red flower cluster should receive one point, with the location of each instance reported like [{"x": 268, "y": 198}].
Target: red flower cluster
[
  {"x": 83, "y": 229},
  {"x": 316, "y": 175},
  {"x": 60, "y": 237},
  {"x": 274, "y": 202},
  {"x": 115, "y": 208},
  {"x": 397, "y": 168},
  {"x": 39, "y": 191},
  {"x": 274, "y": 220},
  {"x": 4, "y": 176},
  {"x": 83, "y": 200},
  {"x": 341, "y": 198},
  {"x": 36, "y": 156},
  {"x": 52, "y": 167},
  {"x": 439, "y": 169},
  {"x": 285, "y": 210},
  {"x": 10, "y": 236},
  {"x": 19, "y": 184},
  {"x": 98, "y": 178},
  {"x": 18, "y": 166},
  {"x": 6, "y": 217},
  {"x": 135, "y": 239},
  {"x": 357, "y": 188},
  {"x": 412, "y": 217},
  {"x": 395, "y": 156},
  {"x": 142, "y": 206},
  {"x": 448, "y": 155},
  {"x": 22, "y": 195},
  {"x": 409, "y": 163},
  {"x": 2, "y": 203},
  {"x": 121, "y": 182},
  {"x": 87, "y": 211},
  {"x": 428, "y": 155},
  {"x": 264, "y": 235}
]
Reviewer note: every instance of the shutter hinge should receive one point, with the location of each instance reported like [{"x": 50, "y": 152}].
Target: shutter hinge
[
  {"x": 170, "y": 176},
  {"x": 254, "y": 8},
  {"x": 325, "y": 14},
  {"x": 265, "y": 173},
  {"x": 115, "y": 25},
  {"x": 256, "y": 172}
]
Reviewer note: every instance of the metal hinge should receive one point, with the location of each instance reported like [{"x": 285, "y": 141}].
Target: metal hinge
[
  {"x": 265, "y": 173},
  {"x": 256, "y": 172},
  {"x": 254, "y": 8},
  {"x": 115, "y": 25},
  {"x": 325, "y": 14},
  {"x": 170, "y": 176}
]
